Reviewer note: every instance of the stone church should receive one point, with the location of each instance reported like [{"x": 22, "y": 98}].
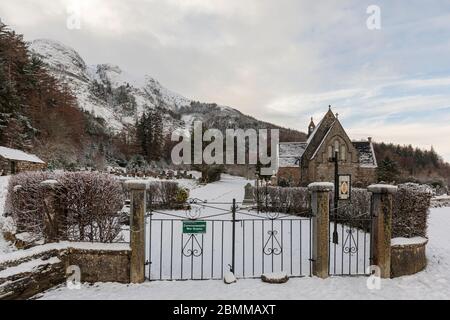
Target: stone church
[{"x": 300, "y": 163}]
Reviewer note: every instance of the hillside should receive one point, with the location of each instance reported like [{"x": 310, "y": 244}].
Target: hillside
[
  {"x": 108, "y": 92},
  {"x": 405, "y": 163},
  {"x": 74, "y": 114}
]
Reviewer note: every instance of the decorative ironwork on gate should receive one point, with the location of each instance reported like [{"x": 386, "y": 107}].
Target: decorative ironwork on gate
[
  {"x": 207, "y": 239},
  {"x": 351, "y": 254}
]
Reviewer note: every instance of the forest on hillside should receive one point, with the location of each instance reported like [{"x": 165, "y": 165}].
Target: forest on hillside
[
  {"x": 39, "y": 114},
  {"x": 406, "y": 163}
]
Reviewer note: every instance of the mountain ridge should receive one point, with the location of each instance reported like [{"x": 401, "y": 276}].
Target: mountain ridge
[{"x": 109, "y": 92}]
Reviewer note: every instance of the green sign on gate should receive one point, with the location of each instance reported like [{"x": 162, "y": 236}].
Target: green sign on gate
[{"x": 194, "y": 227}]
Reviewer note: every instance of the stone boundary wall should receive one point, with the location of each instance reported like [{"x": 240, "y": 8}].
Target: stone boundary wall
[
  {"x": 408, "y": 256},
  {"x": 26, "y": 273}
]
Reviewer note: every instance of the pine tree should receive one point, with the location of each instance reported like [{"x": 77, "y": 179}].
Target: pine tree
[
  {"x": 150, "y": 135},
  {"x": 388, "y": 170}
]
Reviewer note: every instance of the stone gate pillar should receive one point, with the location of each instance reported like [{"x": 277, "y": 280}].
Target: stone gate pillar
[
  {"x": 52, "y": 210},
  {"x": 382, "y": 226},
  {"x": 138, "y": 190},
  {"x": 320, "y": 203}
]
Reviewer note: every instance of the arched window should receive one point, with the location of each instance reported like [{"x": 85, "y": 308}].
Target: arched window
[
  {"x": 343, "y": 153},
  {"x": 330, "y": 152},
  {"x": 336, "y": 146}
]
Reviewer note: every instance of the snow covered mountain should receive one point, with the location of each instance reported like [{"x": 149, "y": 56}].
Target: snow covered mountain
[{"x": 111, "y": 93}]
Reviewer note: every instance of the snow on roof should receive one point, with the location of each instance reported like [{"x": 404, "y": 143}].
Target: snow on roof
[
  {"x": 289, "y": 153},
  {"x": 14, "y": 154},
  {"x": 366, "y": 154}
]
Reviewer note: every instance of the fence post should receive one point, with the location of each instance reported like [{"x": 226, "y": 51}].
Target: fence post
[
  {"x": 381, "y": 226},
  {"x": 138, "y": 192},
  {"x": 233, "y": 248},
  {"x": 320, "y": 203},
  {"x": 52, "y": 209}
]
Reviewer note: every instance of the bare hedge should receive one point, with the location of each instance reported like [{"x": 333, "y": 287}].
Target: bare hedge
[
  {"x": 286, "y": 200},
  {"x": 166, "y": 195},
  {"x": 90, "y": 204},
  {"x": 24, "y": 201}
]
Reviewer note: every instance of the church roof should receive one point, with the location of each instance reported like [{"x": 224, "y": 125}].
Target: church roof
[
  {"x": 289, "y": 153},
  {"x": 366, "y": 154}
]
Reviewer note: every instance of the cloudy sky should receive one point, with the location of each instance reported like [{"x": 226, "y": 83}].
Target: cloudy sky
[{"x": 280, "y": 61}]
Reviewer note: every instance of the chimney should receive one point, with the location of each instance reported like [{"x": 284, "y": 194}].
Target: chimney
[{"x": 370, "y": 139}]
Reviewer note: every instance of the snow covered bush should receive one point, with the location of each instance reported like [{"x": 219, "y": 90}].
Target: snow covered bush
[
  {"x": 411, "y": 208},
  {"x": 90, "y": 202},
  {"x": 166, "y": 195},
  {"x": 24, "y": 201},
  {"x": 286, "y": 200},
  {"x": 137, "y": 163}
]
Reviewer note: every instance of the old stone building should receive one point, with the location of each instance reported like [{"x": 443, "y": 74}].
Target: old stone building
[
  {"x": 13, "y": 161},
  {"x": 300, "y": 163}
]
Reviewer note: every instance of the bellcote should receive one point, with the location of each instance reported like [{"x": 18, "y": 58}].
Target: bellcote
[{"x": 311, "y": 127}]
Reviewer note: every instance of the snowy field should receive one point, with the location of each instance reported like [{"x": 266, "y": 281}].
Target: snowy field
[{"x": 432, "y": 283}]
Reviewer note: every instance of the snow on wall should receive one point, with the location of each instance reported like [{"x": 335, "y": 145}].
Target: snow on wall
[
  {"x": 408, "y": 241},
  {"x": 27, "y": 267},
  {"x": 22, "y": 254}
]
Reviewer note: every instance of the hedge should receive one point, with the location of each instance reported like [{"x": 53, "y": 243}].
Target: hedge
[
  {"x": 90, "y": 204},
  {"x": 286, "y": 200},
  {"x": 410, "y": 206}
]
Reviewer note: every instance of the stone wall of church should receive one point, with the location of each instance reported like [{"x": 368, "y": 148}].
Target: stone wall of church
[
  {"x": 289, "y": 175},
  {"x": 324, "y": 172}
]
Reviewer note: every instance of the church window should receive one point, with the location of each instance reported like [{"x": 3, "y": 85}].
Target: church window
[
  {"x": 336, "y": 146},
  {"x": 343, "y": 153}
]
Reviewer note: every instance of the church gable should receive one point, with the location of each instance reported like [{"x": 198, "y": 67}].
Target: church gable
[
  {"x": 336, "y": 139},
  {"x": 317, "y": 136}
]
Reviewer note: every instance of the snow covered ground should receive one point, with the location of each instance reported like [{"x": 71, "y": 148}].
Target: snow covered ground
[
  {"x": 5, "y": 247},
  {"x": 432, "y": 283}
]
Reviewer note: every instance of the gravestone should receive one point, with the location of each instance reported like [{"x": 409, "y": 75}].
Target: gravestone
[{"x": 248, "y": 196}]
